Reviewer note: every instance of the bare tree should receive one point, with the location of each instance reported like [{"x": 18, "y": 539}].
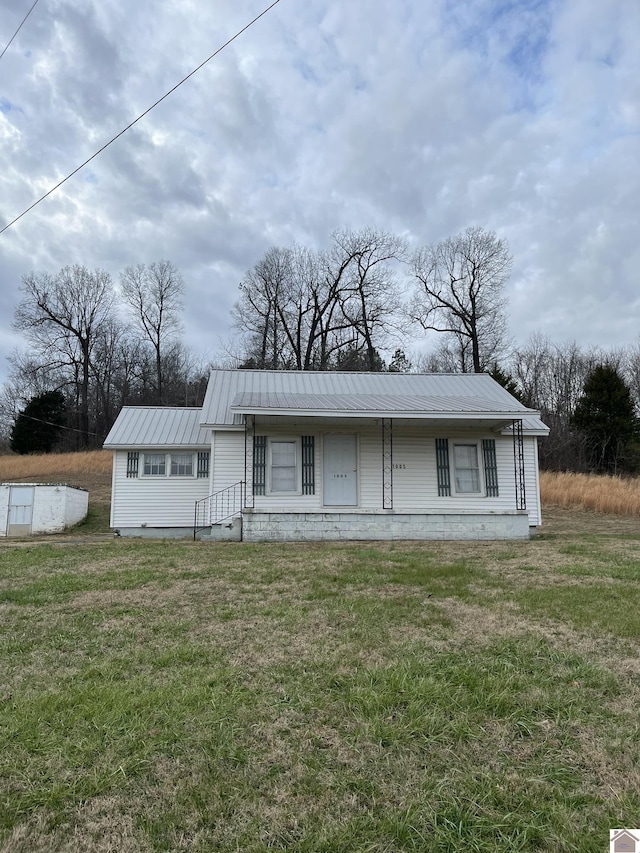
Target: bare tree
[
  {"x": 62, "y": 317},
  {"x": 370, "y": 296},
  {"x": 460, "y": 292},
  {"x": 154, "y": 293},
  {"x": 551, "y": 378},
  {"x": 305, "y": 310}
]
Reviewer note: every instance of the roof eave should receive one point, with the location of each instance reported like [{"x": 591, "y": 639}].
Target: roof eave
[
  {"x": 133, "y": 445},
  {"x": 381, "y": 413}
]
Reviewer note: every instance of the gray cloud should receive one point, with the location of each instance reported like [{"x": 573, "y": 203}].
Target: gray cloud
[{"x": 422, "y": 117}]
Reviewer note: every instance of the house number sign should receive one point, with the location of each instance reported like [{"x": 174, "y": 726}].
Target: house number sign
[
  {"x": 399, "y": 466},
  {"x": 340, "y": 476}
]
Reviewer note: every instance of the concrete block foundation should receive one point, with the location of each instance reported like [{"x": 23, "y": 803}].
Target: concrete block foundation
[{"x": 270, "y": 526}]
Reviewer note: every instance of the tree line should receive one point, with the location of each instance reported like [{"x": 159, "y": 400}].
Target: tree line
[
  {"x": 92, "y": 347},
  {"x": 96, "y": 345}
]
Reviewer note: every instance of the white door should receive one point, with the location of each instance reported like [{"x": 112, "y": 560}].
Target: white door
[
  {"x": 20, "y": 510},
  {"x": 340, "y": 477}
]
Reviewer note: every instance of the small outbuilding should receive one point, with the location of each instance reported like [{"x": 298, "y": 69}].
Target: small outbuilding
[{"x": 27, "y": 508}]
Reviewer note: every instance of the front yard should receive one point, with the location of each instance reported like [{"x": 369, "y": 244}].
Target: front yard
[{"x": 167, "y": 696}]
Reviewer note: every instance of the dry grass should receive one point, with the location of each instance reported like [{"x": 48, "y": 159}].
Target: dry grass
[
  {"x": 611, "y": 495},
  {"x": 71, "y": 465},
  {"x": 90, "y": 470}
]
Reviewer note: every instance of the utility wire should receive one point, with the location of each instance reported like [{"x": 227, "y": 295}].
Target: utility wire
[
  {"x": 58, "y": 426},
  {"x": 142, "y": 115},
  {"x": 18, "y": 30}
]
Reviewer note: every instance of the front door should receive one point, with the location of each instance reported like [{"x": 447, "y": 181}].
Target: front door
[
  {"x": 20, "y": 510},
  {"x": 340, "y": 470}
]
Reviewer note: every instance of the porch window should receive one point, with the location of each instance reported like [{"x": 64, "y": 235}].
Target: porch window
[
  {"x": 182, "y": 465},
  {"x": 155, "y": 465},
  {"x": 466, "y": 468},
  {"x": 283, "y": 466}
]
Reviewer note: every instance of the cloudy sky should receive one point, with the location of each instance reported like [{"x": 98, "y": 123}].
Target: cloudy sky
[{"x": 420, "y": 117}]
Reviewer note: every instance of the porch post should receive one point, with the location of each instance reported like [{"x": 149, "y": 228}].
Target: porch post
[
  {"x": 249, "y": 435},
  {"x": 518, "y": 465},
  {"x": 387, "y": 463}
]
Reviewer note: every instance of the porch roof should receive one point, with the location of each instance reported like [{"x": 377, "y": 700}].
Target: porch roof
[
  {"x": 470, "y": 397},
  {"x": 369, "y": 405}
]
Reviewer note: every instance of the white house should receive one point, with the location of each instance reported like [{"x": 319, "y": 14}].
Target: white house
[{"x": 277, "y": 455}]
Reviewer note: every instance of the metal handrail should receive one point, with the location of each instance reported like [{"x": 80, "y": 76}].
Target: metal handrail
[{"x": 218, "y": 507}]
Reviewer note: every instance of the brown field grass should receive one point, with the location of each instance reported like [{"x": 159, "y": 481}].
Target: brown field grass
[
  {"x": 90, "y": 470},
  {"x": 15, "y": 467},
  {"x": 610, "y": 495}
]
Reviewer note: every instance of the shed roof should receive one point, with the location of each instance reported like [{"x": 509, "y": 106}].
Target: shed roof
[
  {"x": 157, "y": 426},
  {"x": 409, "y": 395}
]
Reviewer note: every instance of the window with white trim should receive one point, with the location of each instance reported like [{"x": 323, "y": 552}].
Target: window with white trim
[
  {"x": 155, "y": 465},
  {"x": 466, "y": 469},
  {"x": 174, "y": 464},
  {"x": 283, "y": 474},
  {"x": 182, "y": 465}
]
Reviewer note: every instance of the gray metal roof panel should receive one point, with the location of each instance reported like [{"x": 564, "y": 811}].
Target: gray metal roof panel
[
  {"x": 157, "y": 426},
  {"x": 387, "y": 403},
  {"x": 463, "y": 393}
]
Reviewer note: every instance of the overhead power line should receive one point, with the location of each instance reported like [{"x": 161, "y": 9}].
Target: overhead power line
[
  {"x": 18, "y": 30},
  {"x": 58, "y": 426},
  {"x": 141, "y": 116}
]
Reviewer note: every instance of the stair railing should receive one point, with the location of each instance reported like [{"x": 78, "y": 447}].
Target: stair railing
[{"x": 218, "y": 507}]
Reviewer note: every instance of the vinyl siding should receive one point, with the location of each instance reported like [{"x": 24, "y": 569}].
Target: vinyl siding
[
  {"x": 169, "y": 501},
  {"x": 228, "y": 459},
  {"x": 153, "y": 501},
  {"x": 415, "y": 484}
]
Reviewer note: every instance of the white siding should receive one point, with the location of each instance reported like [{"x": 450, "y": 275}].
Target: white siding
[
  {"x": 227, "y": 460},
  {"x": 532, "y": 480},
  {"x": 153, "y": 501},
  {"x": 169, "y": 501},
  {"x": 415, "y": 486}
]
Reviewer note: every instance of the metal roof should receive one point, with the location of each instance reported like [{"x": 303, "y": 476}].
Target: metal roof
[
  {"x": 409, "y": 405},
  {"x": 412, "y": 395},
  {"x": 157, "y": 426}
]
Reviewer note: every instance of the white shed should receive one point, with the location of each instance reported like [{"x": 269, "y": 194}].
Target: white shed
[{"x": 27, "y": 508}]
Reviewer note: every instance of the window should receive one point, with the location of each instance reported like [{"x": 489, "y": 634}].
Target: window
[
  {"x": 283, "y": 466},
  {"x": 466, "y": 468},
  {"x": 174, "y": 464},
  {"x": 155, "y": 464},
  {"x": 182, "y": 465},
  {"x": 462, "y": 466}
]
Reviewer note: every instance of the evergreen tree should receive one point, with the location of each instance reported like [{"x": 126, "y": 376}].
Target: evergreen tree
[
  {"x": 400, "y": 363},
  {"x": 38, "y": 427},
  {"x": 506, "y": 380},
  {"x": 606, "y": 418}
]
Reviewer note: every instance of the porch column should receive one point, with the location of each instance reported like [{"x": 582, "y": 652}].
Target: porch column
[
  {"x": 518, "y": 465},
  {"x": 387, "y": 463},
  {"x": 249, "y": 435}
]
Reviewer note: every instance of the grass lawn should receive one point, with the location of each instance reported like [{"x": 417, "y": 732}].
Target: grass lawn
[{"x": 179, "y": 696}]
